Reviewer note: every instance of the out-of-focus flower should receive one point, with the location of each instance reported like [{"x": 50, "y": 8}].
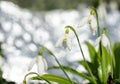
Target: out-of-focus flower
[
  {"x": 91, "y": 21},
  {"x": 104, "y": 39},
  {"x": 40, "y": 62},
  {"x": 102, "y": 10},
  {"x": 65, "y": 41}
]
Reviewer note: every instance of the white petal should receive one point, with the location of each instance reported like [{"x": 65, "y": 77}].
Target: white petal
[
  {"x": 83, "y": 22},
  {"x": 69, "y": 43},
  {"x": 45, "y": 64},
  {"x": 105, "y": 41},
  {"x": 93, "y": 25},
  {"x": 64, "y": 44},
  {"x": 59, "y": 42},
  {"x": 31, "y": 64},
  {"x": 41, "y": 65},
  {"x": 97, "y": 41},
  {"x": 90, "y": 18}
]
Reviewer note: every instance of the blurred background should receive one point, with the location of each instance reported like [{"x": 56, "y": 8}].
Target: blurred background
[{"x": 25, "y": 24}]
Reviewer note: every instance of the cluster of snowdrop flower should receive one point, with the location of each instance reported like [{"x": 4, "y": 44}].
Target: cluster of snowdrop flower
[{"x": 66, "y": 43}]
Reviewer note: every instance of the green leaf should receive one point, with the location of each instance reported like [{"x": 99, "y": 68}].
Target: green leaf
[
  {"x": 68, "y": 69},
  {"x": 95, "y": 60},
  {"x": 100, "y": 73},
  {"x": 52, "y": 78},
  {"x": 106, "y": 64},
  {"x": 92, "y": 51},
  {"x": 116, "y": 50},
  {"x": 117, "y": 81},
  {"x": 93, "y": 67}
]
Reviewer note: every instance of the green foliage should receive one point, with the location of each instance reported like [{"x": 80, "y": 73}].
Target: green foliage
[
  {"x": 52, "y": 78},
  {"x": 92, "y": 52},
  {"x": 93, "y": 64},
  {"x": 116, "y": 50},
  {"x": 101, "y": 67},
  {"x": 106, "y": 64},
  {"x": 73, "y": 71}
]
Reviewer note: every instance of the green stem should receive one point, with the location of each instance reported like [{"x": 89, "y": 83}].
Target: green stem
[
  {"x": 89, "y": 70},
  {"x": 58, "y": 63},
  {"x": 30, "y": 73},
  {"x": 63, "y": 69},
  {"x": 98, "y": 26}
]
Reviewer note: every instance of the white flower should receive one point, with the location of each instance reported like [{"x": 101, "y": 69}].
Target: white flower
[
  {"x": 41, "y": 64},
  {"x": 93, "y": 24},
  {"x": 105, "y": 41},
  {"x": 91, "y": 21},
  {"x": 64, "y": 42}
]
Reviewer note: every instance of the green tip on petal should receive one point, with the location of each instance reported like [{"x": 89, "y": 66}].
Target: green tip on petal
[
  {"x": 89, "y": 20},
  {"x": 65, "y": 39},
  {"x": 67, "y": 31},
  {"x": 40, "y": 52},
  {"x": 92, "y": 12}
]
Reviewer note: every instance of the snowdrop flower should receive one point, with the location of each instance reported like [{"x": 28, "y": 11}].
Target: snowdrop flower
[
  {"x": 104, "y": 39},
  {"x": 65, "y": 41},
  {"x": 91, "y": 21},
  {"x": 40, "y": 62}
]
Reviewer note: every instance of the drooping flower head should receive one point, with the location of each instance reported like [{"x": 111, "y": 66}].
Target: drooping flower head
[
  {"x": 103, "y": 39},
  {"x": 40, "y": 63},
  {"x": 91, "y": 21},
  {"x": 64, "y": 41}
]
